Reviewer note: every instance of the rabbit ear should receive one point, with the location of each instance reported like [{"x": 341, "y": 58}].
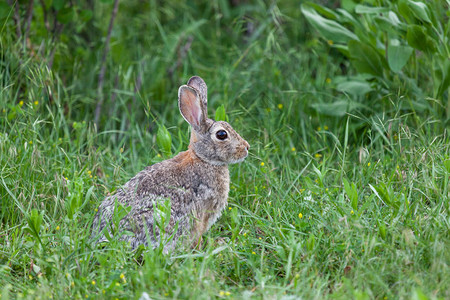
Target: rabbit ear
[
  {"x": 191, "y": 107},
  {"x": 199, "y": 84}
]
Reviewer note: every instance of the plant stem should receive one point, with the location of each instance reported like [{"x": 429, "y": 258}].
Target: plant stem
[{"x": 101, "y": 76}]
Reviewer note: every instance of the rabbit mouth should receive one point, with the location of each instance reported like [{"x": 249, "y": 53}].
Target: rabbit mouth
[{"x": 241, "y": 159}]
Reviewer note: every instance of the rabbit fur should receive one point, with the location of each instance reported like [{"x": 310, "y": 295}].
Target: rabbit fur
[{"x": 196, "y": 181}]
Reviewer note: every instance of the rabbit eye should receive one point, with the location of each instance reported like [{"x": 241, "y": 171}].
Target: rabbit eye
[{"x": 221, "y": 134}]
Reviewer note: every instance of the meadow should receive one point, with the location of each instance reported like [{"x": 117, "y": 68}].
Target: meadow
[{"x": 346, "y": 106}]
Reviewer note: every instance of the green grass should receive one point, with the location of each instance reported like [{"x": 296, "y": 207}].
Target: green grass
[{"x": 325, "y": 206}]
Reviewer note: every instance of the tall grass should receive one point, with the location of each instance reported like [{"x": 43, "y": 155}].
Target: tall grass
[{"x": 325, "y": 206}]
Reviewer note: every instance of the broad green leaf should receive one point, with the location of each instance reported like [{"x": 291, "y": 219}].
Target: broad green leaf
[
  {"x": 393, "y": 18},
  {"x": 58, "y": 4},
  {"x": 354, "y": 87},
  {"x": 363, "y": 9},
  {"x": 352, "y": 193},
  {"x": 348, "y": 5},
  {"x": 419, "y": 39},
  {"x": 447, "y": 165},
  {"x": 381, "y": 229},
  {"x": 366, "y": 59},
  {"x": 338, "y": 108},
  {"x": 324, "y": 11},
  {"x": 86, "y": 15},
  {"x": 346, "y": 17},
  {"x": 5, "y": 10},
  {"x": 420, "y": 10},
  {"x": 164, "y": 140},
  {"x": 66, "y": 15},
  {"x": 405, "y": 11},
  {"x": 389, "y": 23},
  {"x": 330, "y": 29},
  {"x": 419, "y": 295},
  {"x": 34, "y": 221},
  {"x": 342, "y": 48},
  {"x": 398, "y": 56},
  {"x": 220, "y": 114}
]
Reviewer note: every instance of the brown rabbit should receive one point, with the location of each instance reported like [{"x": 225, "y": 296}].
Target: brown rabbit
[{"x": 196, "y": 181}]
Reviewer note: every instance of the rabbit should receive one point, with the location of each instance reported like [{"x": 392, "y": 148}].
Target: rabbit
[{"x": 196, "y": 181}]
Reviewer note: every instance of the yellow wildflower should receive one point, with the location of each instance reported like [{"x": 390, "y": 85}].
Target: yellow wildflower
[
  {"x": 280, "y": 106},
  {"x": 21, "y": 103},
  {"x": 262, "y": 164},
  {"x": 325, "y": 127},
  {"x": 300, "y": 215},
  {"x": 293, "y": 149},
  {"x": 36, "y": 102},
  {"x": 317, "y": 155}
]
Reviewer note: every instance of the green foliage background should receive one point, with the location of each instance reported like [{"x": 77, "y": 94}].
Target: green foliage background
[{"x": 346, "y": 107}]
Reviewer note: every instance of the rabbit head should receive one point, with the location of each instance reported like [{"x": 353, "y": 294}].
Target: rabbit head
[{"x": 214, "y": 142}]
